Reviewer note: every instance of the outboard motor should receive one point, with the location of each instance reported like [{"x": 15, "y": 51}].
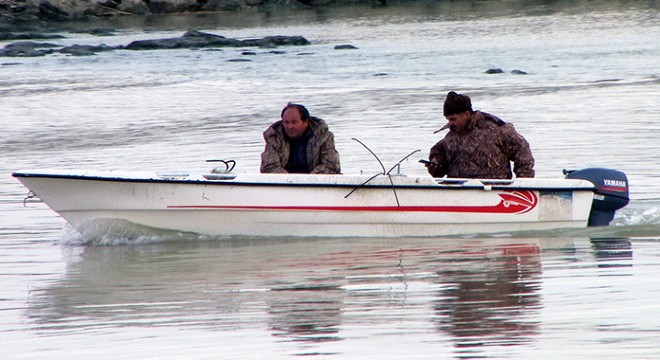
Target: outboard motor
[{"x": 611, "y": 192}]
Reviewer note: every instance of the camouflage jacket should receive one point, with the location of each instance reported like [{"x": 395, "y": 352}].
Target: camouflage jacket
[
  {"x": 484, "y": 150},
  {"x": 322, "y": 156}
]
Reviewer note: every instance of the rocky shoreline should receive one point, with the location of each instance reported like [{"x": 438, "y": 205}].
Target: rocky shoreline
[
  {"x": 192, "y": 39},
  {"x": 29, "y": 12},
  {"x": 21, "y": 21}
]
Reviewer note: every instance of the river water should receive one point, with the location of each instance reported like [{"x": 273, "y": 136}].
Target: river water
[{"x": 590, "y": 98}]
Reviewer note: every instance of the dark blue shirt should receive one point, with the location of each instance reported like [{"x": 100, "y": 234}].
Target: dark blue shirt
[{"x": 298, "y": 154}]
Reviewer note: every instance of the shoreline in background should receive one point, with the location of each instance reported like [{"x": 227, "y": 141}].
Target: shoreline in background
[{"x": 55, "y": 15}]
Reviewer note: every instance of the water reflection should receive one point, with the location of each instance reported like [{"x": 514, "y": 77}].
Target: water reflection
[
  {"x": 494, "y": 296},
  {"x": 310, "y": 313},
  {"x": 471, "y": 293},
  {"x": 612, "y": 252}
]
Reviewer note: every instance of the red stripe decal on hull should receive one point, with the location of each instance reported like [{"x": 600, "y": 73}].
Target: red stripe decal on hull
[{"x": 514, "y": 202}]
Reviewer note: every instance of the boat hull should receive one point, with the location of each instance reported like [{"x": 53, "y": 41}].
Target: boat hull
[{"x": 312, "y": 205}]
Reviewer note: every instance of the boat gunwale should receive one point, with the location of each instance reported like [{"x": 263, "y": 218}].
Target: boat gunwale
[{"x": 231, "y": 181}]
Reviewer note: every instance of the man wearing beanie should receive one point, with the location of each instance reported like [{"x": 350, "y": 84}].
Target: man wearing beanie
[{"x": 478, "y": 145}]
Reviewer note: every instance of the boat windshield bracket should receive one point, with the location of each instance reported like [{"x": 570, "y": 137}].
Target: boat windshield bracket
[
  {"x": 487, "y": 184},
  {"x": 31, "y": 198},
  {"x": 226, "y": 169}
]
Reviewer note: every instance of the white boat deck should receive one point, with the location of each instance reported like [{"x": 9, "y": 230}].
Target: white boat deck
[{"x": 341, "y": 180}]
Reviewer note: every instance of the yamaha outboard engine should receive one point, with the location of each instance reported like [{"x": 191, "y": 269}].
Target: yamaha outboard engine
[{"x": 611, "y": 192}]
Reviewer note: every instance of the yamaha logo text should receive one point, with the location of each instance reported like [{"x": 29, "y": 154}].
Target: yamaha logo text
[{"x": 616, "y": 183}]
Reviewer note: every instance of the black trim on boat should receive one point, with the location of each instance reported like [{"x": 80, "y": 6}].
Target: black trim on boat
[{"x": 232, "y": 182}]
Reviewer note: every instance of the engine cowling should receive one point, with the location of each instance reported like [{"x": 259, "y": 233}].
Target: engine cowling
[{"x": 612, "y": 192}]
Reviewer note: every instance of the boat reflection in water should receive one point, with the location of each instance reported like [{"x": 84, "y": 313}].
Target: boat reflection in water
[
  {"x": 454, "y": 294},
  {"x": 311, "y": 313},
  {"x": 494, "y": 295},
  {"x": 612, "y": 252}
]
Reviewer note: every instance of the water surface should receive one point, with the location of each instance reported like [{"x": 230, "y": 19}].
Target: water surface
[{"x": 590, "y": 98}]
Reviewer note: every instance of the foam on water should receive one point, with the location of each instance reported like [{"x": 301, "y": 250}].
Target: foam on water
[
  {"x": 120, "y": 232},
  {"x": 645, "y": 217}
]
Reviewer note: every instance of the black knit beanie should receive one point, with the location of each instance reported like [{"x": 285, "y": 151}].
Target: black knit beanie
[{"x": 457, "y": 103}]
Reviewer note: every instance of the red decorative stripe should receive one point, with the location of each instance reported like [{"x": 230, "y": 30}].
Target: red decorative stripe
[
  {"x": 515, "y": 202},
  {"x": 613, "y": 188}
]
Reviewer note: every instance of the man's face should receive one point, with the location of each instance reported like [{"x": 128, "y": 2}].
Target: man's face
[
  {"x": 294, "y": 125},
  {"x": 458, "y": 122}
]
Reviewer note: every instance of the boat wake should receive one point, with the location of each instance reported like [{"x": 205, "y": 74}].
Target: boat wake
[
  {"x": 122, "y": 233},
  {"x": 640, "y": 220},
  {"x": 639, "y": 217},
  {"x": 111, "y": 232}
]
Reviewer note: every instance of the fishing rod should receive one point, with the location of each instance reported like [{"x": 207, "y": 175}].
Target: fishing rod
[{"x": 388, "y": 173}]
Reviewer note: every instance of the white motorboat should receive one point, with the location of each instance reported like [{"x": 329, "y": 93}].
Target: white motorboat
[{"x": 388, "y": 205}]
